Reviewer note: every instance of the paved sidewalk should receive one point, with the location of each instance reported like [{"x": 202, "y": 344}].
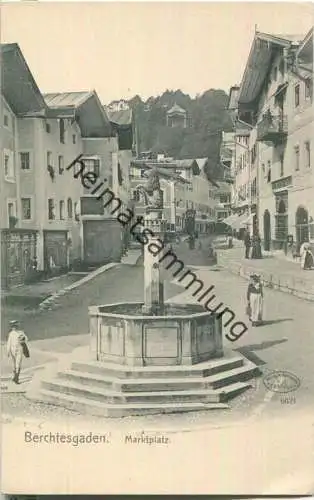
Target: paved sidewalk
[
  {"x": 276, "y": 273},
  {"x": 45, "y": 292}
]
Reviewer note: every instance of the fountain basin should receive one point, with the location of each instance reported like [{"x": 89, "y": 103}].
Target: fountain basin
[{"x": 183, "y": 335}]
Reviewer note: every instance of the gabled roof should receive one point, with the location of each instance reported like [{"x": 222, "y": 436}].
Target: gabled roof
[
  {"x": 18, "y": 84},
  {"x": 233, "y": 97},
  {"x": 123, "y": 117},
  {"x": 66, "y": 99},
  {"x": 259, "y": 61},
  {"x": 85, "y": 107},
  {"x": 305, "y": 51},
  {"x": 176, "y": 109}
]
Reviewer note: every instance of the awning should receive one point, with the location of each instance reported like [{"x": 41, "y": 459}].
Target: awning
[
  {"x": 242, "y": 221},
  {"x": 229, "y": 220}
]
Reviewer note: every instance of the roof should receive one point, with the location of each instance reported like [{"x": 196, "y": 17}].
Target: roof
[
  {"x": 176, "y": 109},
  {"x": 66, "y": 99},
  {"x": 184, "y": 163},
  {"x": 305, "y": 51},
  {"x": 201, "y": 162},
  {"x": 123, "y": 117},
  {"x": 18, "y": 84},
  {"x": 85, "y": 107},
  {"x": 258, "y": 63},
  {"x": 233, "y": 97}
]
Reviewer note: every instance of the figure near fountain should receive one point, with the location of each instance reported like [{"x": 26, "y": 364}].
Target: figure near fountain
[{"x": 152, "y": 191}]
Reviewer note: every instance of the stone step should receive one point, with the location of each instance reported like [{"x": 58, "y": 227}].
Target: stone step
[
  {"x": 124, "y": 372},
  {"x": 112, "y": 396},
  {"x": 241, "y": 374},
  {"x": 96, "y": 408},
  {"x": 137, "y": 385},
  {"x": 115, "y": 396}
]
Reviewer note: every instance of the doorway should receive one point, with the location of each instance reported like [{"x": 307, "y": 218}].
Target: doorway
[{"x": 267, "y": 231}]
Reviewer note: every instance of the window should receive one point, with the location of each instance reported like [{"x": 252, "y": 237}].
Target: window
[
  {"x": 49, "y": 158},
  {"x": 11, "y": 209},
  {"x": 25, "y": 161},
  {"x": 70, "y": 208},
  {"x": 74, "y": 139},
  {"x": 297, "y": 95},
  {"x": 62, "y": 131},
  {"x": 92, "y": 165},
  {"x": 48, "y": 128},
  {"x": 60, "y": 164},
  {"x": 51, "y": 209},
  {"x": 61, "y": 209},
  {"x": 26, "y": 208},
  {"x": 275, "y": 73},
  {"x": 5, "y": 120},
  {"x": 307, "y": 145},
  {"x": 76, "y": 211},
  {"x": 297, "y": 157},
  {"x": 136, "y": 195},
  {"x": 281, "y": 159},
  {"x": 308, "y": 88},
  {"x": 268, "y": 171},
  {"x": 8, "y": 165}
]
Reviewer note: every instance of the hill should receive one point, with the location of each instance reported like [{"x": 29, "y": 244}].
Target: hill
[{"x": 207, "y": 117}]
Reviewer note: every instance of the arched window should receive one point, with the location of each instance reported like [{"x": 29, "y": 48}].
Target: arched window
[{"x": 70, "y": 208}]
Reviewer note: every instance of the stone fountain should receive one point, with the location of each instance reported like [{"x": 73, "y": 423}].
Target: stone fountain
[{"x": 150, "y": 357}]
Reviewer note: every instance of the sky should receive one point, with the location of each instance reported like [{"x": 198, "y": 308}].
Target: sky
[{"x": 122, "y": 49}]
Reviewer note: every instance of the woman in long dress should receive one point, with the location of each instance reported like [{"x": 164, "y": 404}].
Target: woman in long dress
[
  {"x": 255, "y": 299},
  {"x": 307, "y": 259}
]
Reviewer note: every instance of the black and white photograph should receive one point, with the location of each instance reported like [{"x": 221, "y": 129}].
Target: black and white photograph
[{"x": 157, "y": 247}]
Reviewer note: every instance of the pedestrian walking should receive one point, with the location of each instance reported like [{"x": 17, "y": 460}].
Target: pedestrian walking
[
  {"x": 247, "y": 244},
  {"x": 255, "y": 298},
  {"x": 17, "y": 348},
  {"x": 307, "y": 258}
]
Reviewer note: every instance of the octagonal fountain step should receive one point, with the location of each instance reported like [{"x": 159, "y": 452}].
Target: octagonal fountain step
[
  {"x": 116, "y": 410},
  {"x": 203, "y": 369},
  {"x": 114, "y": 390}
]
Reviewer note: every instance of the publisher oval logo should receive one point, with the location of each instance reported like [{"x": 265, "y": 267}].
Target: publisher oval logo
[{"x": 281, "y": 382}]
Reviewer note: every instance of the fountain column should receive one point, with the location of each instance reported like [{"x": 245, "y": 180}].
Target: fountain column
[{"x": 153, "y": 279}]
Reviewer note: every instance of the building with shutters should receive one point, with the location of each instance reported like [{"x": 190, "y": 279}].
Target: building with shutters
[
  {"x": 48, "y": 219},
  {"x": 275, "y": 102}
]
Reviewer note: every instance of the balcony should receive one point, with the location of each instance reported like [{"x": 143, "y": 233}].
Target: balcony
[{"x": 272, "y": 128}]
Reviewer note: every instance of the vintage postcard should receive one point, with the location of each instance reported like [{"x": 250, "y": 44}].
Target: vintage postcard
[{"x": 157, "y": 248}]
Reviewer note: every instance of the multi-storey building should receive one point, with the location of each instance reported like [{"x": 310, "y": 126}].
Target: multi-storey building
[
  {"x": 49, "y": 219},
  {"x": 276, "y": 99},
  {"x": 20, "y": 98},
  {"x": 197, "y": 193}
]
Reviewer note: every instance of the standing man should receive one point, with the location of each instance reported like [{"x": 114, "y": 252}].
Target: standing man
[
  {"x": 247, "y": 244},
  {"x": 16, "y": 348}
]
